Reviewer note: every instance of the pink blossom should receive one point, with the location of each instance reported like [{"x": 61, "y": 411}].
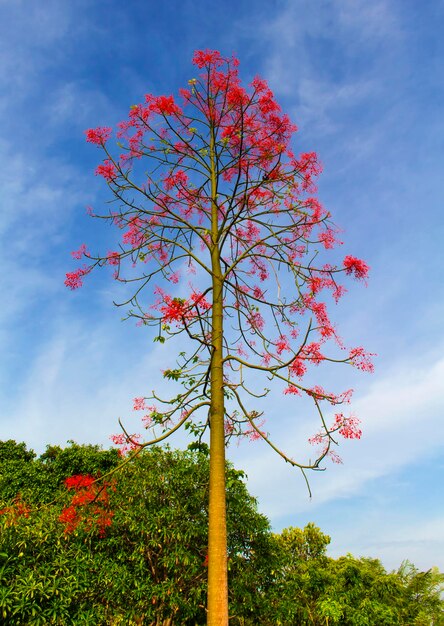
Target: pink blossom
[
  {"x": 147, "y": 420},
  {"x": 256, "y": 321},
  {"x": 175, "y": 309},
  {"x": 175, "y": 179},
  {"x": 318, "y": 393},
  {"x": 312, "y": 351},
  {"x": 139, "y": 404},
  {"x": 308, "y": 168},
  {"x": 348, "y": 426},
  {"x": 252, "y": 433},
  {"x": 338, "y": 292},
  {"x": 282, "y": 345},
  {"x": 357, "y": 267},
  {"x": 320, "y": 311},
  {"x": 98, "y": 136},
  {"x": 258, "y": 293},
  {"x": 134, "y": 236},
  {"x": 361, "y": 359},
  {"x": 335, "y": 457},
  {"x": 107, "y": 170},
  {"x": 179, "y": 309},
  {"x": 316, "y": 440},
  {"x": 292, "y": 390},
  {"x": 126, "y": 443},
  {"x": 228, "y": 426},
  {"x": 164, "y": 105},
  {"x": 250, "y": 233},
  {"x": 344, "y": 397},
  {"x": 77, "y": 254},
  {"x": 298, "y": 367},
  {"x": 113, "y": 258},
  {"x": 318, "y": 211},
  {"x": 328, "y": 238},
  {"x": 266, "y": 358},
  {"x": 74, "y": 280},
  {"x": 241, "y": 350},
  {"x": 199, "y": 300}
]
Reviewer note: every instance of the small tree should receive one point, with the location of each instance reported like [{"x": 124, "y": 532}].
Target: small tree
[{"x": 218, "y": 213}]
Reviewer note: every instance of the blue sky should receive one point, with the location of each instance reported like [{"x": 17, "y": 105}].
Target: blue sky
[{"x": 363, "y": 82}]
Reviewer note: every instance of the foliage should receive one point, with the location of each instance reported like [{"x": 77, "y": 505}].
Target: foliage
[
  {"x": 313, "y": 589},
  {"x": 38, "y": 479},
  {"x": 150, "y": 567}
]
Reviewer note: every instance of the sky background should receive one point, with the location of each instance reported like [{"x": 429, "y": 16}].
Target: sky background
[{"x": 363, "y": 82}]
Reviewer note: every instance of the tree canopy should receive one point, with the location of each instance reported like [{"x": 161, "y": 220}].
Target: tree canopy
[{"x": 149, "y": 565}]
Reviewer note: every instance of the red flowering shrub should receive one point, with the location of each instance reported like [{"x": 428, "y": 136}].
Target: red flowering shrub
[{"x": 89, "y": 505}]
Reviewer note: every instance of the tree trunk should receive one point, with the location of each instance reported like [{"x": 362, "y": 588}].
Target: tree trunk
[
  {"x": 217, "y": 614},
  {"x": 217, "y": 526}
]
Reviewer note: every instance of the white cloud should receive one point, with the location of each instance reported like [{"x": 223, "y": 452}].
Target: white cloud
[
  {"x": 375, "y": 21},
  {"x": 402, "y": 423},
  {"x": 385, "y": 534},
  {"x": 82, "y": 379}
]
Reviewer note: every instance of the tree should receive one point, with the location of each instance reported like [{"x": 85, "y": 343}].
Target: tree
[
  {"x": 150, "y": 565},
  {"x": 312, "y": 589},
  {"x": 423, "y": 599},
  {"x": 211, "y": 188},
  {"x": 302, "y": 575}
]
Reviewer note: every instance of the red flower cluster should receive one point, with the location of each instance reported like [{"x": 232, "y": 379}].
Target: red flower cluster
[
  {"x": 203, "y": 58},
  {"x": 164, "y": 105},
  {"x": 348, "y": 427},
  {"x": 179, "y": 309},
  {"x": 77, "y": 254},
  {"x": 362, "y": 359},
  {"x": 74, "y": 280},
  {"x": 18, "y": 509},
  {"x": 89, "y": 505},
  {"x": 107, "y": 170},
  {"x": 357, "y": 267},
  {"x": 98, "y": 136},
  {"x": 126, "y": 444}
]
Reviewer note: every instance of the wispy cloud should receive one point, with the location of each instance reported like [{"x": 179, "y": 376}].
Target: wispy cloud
[{"x": 402, "y": 421}]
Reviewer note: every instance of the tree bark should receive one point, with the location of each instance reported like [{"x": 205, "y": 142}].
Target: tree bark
[{"x": 217, "y": 608}]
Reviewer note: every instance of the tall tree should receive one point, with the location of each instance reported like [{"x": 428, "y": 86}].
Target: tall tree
[{"x": 217, "y": 211}]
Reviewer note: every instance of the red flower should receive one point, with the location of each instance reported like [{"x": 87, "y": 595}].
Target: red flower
[
  {"x": 361, "y": 359},
  {"x": 107, "y": 170},
  {"x": 77, "y": 254},
  {"x": 207, "y": 57},
  {"x": 164, "y": 105},
  {"x": 74, "y": 279},
  {"x": 89, "y": 505},
  {"x": 298, "y": 368},
  {"x": 292, "y": 390},
  {"x": 79, "y": 481},
  {"x": 113, "y": 258},
  {"x": 348, "y": 426},
  {"x": 357, "y": 267},
  {"x": 98, "y": 136},
  {"x": 139, "y": 404}
]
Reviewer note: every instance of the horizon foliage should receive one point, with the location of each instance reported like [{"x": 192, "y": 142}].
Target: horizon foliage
[{"x": 149, "y": 566}]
